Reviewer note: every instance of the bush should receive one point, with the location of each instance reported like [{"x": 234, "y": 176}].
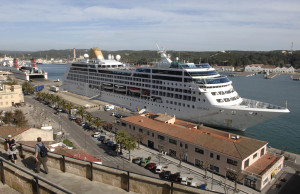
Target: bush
[{"x": 68, "y": 143}]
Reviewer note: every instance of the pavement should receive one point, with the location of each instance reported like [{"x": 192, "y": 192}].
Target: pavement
[{"x": 68, "y": 181}]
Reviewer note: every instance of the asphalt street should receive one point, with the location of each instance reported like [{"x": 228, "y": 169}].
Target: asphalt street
[{"x": 83, "y": 140}]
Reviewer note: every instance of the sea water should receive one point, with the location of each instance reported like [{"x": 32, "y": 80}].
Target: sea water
[{"x": 282, "y": 132}]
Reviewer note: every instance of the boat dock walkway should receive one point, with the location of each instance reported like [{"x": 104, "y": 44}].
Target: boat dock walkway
[
  {"x": 270, "y": 76},
  {"x": 242, "y": 74},
  {"x": 295, "y": 77}
]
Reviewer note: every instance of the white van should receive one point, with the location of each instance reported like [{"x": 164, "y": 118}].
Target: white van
[{"x": 109, "y": 107}]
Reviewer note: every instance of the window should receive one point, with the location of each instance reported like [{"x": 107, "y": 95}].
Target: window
[
  {"x": 255, "y": 155},
  {"x": 180, "y": 144},
  {"x": 233, "y": 162},
  {"x": 152, "y": 134},
  {"x": 211, "y": 155},
  {"x": 129, "y": 126},
  {"x": 218, "y": 157},
  {"x": 160, "y": 137},
  {"x": 246, "y": 163},
  {"x": 199, "y": 151},
  {"x": 133, "y": 127},
  {"x": 148, "y": 133},
  {"x": 262, "y": 152},
  {"x": 140, "y": 130},
  {"x": 124, "y": 124},
  {"x": 214, "y": 168},
  {"x": 186, "y": 146},
  {"x": 173, "y": 141}
]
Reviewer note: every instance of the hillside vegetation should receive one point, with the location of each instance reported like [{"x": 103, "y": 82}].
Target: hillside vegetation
[{"x": 228, "y": 58}]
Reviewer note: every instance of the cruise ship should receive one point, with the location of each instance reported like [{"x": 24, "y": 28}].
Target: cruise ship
[
  {"x": 192, "y": 92},
  {"x": 24, "y": 72}
]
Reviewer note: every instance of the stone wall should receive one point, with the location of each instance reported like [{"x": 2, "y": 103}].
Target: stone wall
[{"x": 117, "y": 178}]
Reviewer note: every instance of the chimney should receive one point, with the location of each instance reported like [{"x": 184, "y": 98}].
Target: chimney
[{"x": 74, "y": 59}]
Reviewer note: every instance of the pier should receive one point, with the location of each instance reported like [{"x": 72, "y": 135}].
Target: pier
[
  {"x": 270, "y": 76},
  {"x": 242, "y": 74},
  {"x": 295, "y": 77}
]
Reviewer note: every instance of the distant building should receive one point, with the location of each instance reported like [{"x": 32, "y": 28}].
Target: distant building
[
  {"x": 10, "y": 95},
  {"x": 224, "y": 68},
  {"x": 269, "y": 68},
  {"x": 220, "y": 152}
]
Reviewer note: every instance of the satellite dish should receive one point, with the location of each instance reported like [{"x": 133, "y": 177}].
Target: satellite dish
[
  {"x": 86, "y": 56},
  {"x": 100, "y": 57},
  {"x": 118, "y": 57},
  {"x": 112, "y": 56}
]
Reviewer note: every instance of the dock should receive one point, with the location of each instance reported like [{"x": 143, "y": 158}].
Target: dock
[
  {"x": 270, "y": 76},
  {"x": 295, "y": 77},
  {"x": 242, "y": 74}
]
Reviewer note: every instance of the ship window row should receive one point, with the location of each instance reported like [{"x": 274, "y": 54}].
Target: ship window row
[
  {"x": 168, "y": 78},
  {"x": 180, "y": 104},
  {"x": 79, "y": 69},
  {"x": 200, "y": 73},
  {"x": 223, "y": 92},
  {"x": 79, "y": 65},
  {"x": 141, "y": 75},
  {"x": 221, "y": 86},
  {"x": 227, "y": 99},
  {"x": 167, "y": 72}
]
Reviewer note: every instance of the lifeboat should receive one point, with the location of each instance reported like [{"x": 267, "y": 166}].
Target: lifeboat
[
  {"x": 107, "y": 86},
  {"x": 120, "y": 88},
  {"x": 134, "y": 90},
  {"x": 146, "y": 92}
]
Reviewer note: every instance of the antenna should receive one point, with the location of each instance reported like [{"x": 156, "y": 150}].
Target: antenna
[
  {"x": 292, "y": 45},
  {"x": 157, "y": 47}
]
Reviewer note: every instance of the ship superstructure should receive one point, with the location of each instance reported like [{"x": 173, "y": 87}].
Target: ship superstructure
[
  {"x": 192, "y": 92},
  {"x": 23, "y": 71}
]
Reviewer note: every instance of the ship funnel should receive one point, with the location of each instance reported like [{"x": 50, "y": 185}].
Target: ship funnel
[
  {"x": 33, "y": 63},
  {"x": 16, "y": 64}
]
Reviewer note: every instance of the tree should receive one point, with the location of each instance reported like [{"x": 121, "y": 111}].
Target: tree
[
  {"x": 121, "y": 138},
  {"x": 182, "y": 154},
  {"x": 89, "y": 118},
  {"x": 81, "y": 111},
  {"x": 12, "y": 82},
  {"x": 140, "y": 137},
  {"x": 69, "y": 106},
  {"x": 28, "y": 88},
  {"x": 8, "y": 117},
  {"x": 19, "y": 118},
  {"x": 97, "y": 122},
  {"x": 130, "y": 144}
]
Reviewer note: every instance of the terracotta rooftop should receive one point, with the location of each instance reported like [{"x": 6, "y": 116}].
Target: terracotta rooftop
[
  {"x": 12, "y": 130},
  {"x": 76, "y": 153},
  {"x": 206, "y": 137},
  {"x": 263, "y": 164}
]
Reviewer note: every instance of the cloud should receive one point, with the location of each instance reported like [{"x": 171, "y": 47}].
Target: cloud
[{"x": 181, "y": 25}]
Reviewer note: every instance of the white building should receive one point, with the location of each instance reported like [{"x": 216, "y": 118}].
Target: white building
[
  {"x": 224, "y": 68},
  {"x": 269, "y": 68}
]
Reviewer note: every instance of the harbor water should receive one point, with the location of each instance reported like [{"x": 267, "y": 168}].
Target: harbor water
[{"x": 282, "y": 132}]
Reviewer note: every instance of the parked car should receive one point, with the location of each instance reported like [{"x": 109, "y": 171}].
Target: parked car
[
  {"x": 159, "y": 169},
  {"x": 101, "y": 138},
  {"x": 145, "y": 162},
  {"x": 137, "y": 160},
  {"x": 165, "y": 174},
  {"x": 78, "y": 120},
  {"x": 72, "y": 117},
  {"x": 96, "y": 134},
  {"x": 114, "y": 147},
  {"x": 151, "y": 166},
  {"x": 105, "y": 141},
  {"x": 110, "y": 143},
  {"x": 193, "y": 184},
  {"x": 175, "y": 177},
  {"x": 184, "y": 181},
  {"x": 113, "y": 114}
]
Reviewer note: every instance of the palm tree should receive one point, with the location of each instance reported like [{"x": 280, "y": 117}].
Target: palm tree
[
  {"x": 81, "y": 112},
  {"x": 130, "y": 144},
  {"x": 121, "y": 137},
  {"x": 89, "y": 118},
  {"x": 28, "y": 88},
  {"x": 97, "y": 122},
  {"x": 69, "y": 106},
  {"x": 38, "y": 95}
]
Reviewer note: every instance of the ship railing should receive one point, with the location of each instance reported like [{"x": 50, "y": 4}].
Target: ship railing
[{"x": 258, "y": 104}]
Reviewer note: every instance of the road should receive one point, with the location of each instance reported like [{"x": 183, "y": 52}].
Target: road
[{"x": 83, "y": 140}]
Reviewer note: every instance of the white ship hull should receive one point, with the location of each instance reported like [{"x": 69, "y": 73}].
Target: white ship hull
[
  {"x": 192, "y": 92},
  {"x": 214, "y": 116},
  {"x": 24, "y": 75}
]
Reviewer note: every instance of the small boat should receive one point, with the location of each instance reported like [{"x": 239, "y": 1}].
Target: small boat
[
  {"x": 107, "y": 86},
  {"x": 120, "y": 88},
  {"x": 134, "y": 90}
]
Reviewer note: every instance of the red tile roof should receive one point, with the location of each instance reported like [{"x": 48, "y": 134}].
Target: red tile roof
[
  {"x": 12, "y": 130},
  {"x": 263, "y": 164},
  {"x": 206, "y": 137}
]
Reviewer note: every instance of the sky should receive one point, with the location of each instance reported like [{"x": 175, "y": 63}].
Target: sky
[{"x": 189, "y": 25}]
